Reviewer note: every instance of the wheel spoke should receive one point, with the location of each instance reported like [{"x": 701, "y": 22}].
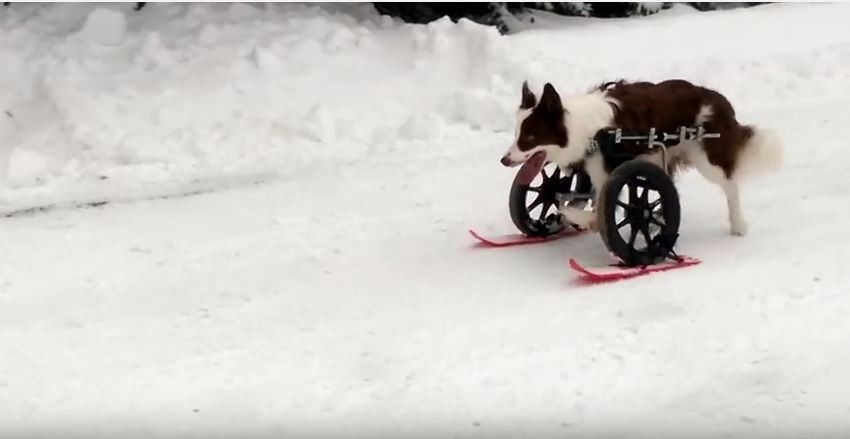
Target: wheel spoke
[
  {"x": 535, "y": 189},
  {"x": 537, "y": 201},
  {"x": 624, "y": 205},
  {"x": 645, "y": 231},
  {"x": 634, "y": 232},
  {"x": 547, "y": 177},
  {"x": 632, "y": 193},
  {"x": 544, "y": 210},
  {"x": 644, "y": 196},
  {"x": 622, "y": 223},
  {"x": 654, "y": 204},
  {"x": 655, "y": 221}
]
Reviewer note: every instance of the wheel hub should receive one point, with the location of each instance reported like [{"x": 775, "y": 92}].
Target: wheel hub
[{"x": 550, "y": 188}]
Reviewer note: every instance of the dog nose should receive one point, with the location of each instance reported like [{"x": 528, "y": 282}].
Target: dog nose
[{"x": 506, "y": 161}]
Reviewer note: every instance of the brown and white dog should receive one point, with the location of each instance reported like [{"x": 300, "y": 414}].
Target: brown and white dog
[{"x": 563, "y": 130}]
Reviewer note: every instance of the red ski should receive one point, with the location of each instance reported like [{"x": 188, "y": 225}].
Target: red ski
[
  {"x": 520, "y": 239},
  {"x": 615, "y": 272}
]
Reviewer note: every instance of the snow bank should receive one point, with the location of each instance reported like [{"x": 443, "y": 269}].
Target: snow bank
[
  {"x": 117, "y": 101},
  {"x": 112, "y": 103},
  {"x": 104, "y": 26}
]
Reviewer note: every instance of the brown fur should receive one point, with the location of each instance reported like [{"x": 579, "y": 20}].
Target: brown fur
[{"x": 668, "y": 105}]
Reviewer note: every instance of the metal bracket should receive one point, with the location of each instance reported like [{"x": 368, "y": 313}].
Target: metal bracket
[{"x": 656, "y": 140}]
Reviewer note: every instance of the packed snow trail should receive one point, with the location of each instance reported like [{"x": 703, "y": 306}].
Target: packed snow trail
[{"x": 341, "y": 294}]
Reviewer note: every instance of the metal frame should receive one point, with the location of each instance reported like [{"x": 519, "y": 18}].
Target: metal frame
[
  {"x": 654, "y": 140},
  {"x": 684, "y": 134}
]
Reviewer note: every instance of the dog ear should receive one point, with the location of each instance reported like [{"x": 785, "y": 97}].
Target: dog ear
[
  {"x": 550, "y": 100},
  {"x": 528, "y": 98}
]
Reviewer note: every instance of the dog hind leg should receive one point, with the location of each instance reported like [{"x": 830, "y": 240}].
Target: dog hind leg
[
  {"x": 737, "y": 223},
  {"x": 716, "y": 175}
]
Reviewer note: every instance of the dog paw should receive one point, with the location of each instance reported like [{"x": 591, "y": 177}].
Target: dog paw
[
  {"x": 739, "y": 228},
  {"x": 583, "y": 219}
]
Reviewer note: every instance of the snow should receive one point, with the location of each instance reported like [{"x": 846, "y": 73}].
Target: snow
[
  {"x": 104, "y": 26},
  {"x": 285, "y": 248}
]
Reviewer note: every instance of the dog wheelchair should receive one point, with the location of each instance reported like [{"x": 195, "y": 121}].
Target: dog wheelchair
[{"x": 638, "y": 209}]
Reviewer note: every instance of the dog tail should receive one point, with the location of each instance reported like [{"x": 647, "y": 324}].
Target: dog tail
[{"x": 761, "y": 153}]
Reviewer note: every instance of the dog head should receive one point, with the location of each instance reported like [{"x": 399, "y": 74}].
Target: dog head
[{"x": 540, "y": 126}]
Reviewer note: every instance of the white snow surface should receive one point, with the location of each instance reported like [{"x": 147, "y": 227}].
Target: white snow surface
[{"x": 285, "y": 251}]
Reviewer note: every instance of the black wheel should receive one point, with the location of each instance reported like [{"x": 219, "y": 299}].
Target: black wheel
[
  {"x": 535, "y": 197},
  {"x": 638, "y": 214}
]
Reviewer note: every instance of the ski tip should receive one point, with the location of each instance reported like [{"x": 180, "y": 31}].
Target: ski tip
[
  {"x": 615, "y": 272},
  {"x": 575, "y": 265},
  {"x": 481, "y": 241}
]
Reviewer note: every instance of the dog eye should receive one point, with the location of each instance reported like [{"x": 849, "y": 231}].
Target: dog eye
[{"x": 529, "y": 137}]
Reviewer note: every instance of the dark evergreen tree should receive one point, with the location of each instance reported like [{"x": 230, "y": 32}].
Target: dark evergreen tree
[{"x": 498, "y": 13}]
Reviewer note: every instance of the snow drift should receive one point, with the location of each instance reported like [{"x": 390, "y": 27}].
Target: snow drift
[
  {"x": 116, "y": 102},
  {"x": 112, "y": 104}
]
